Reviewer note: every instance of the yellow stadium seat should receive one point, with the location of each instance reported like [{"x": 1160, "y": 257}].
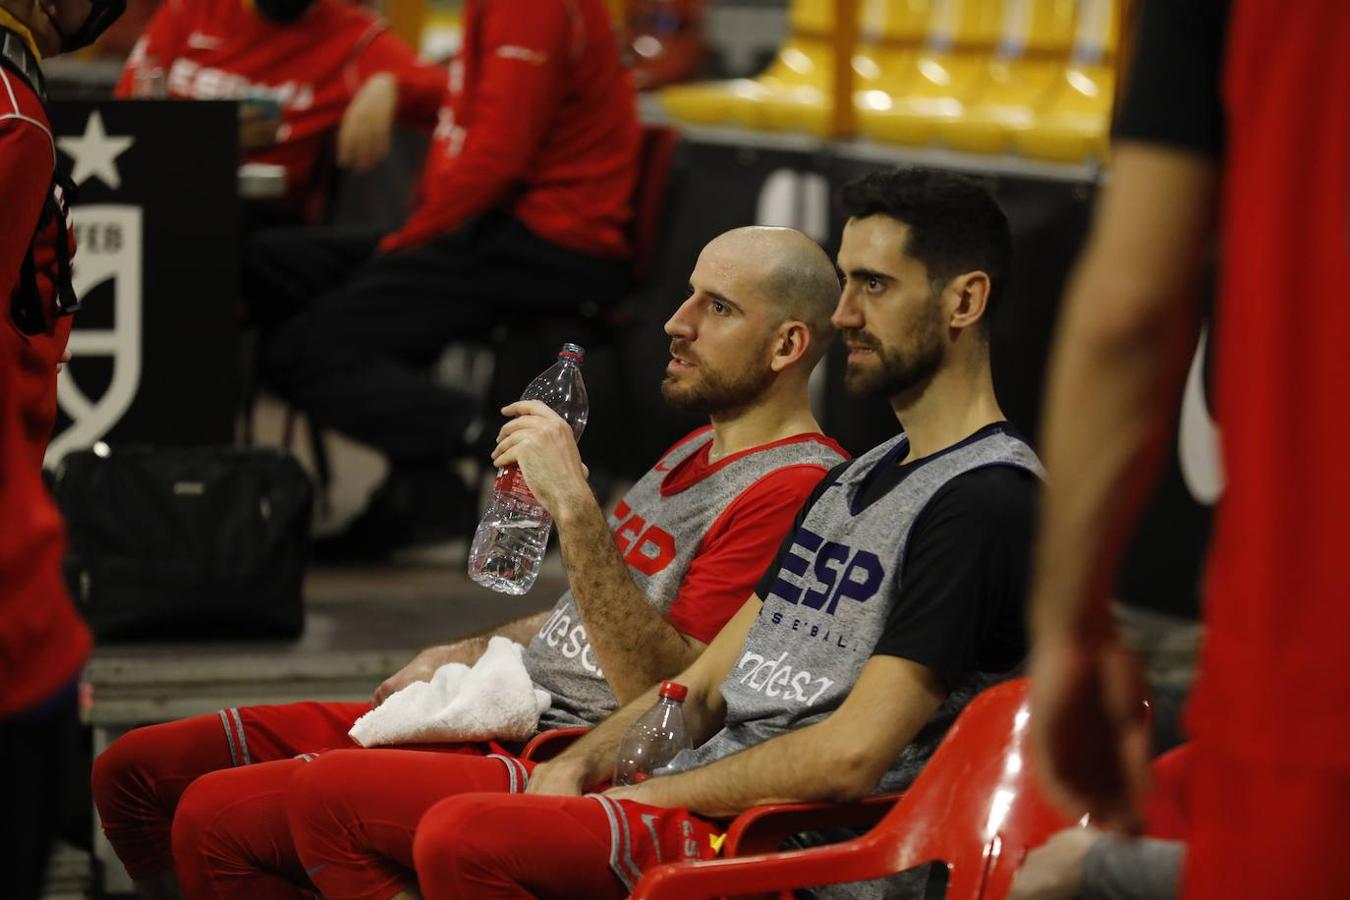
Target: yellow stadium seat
[
  {"x": 1018, "y": 80},
  {"x": 890, "y": 33},
  {"x": 794, "y": 92},
  {"x": 905, "y": 104},
  {"x": 799, "y": 95},
  {"x": 1074, "y": 123}
]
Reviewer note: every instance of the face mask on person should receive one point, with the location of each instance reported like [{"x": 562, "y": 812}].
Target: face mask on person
[{"x": 282, "y": 12}]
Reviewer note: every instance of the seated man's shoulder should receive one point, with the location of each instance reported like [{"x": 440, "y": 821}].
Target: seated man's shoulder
[{"x": 997, "y": 494}]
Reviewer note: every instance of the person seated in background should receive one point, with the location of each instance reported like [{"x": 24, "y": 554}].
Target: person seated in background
[
  {"x": 649, "y": 588},
  {"x": 523, "y": 209},
  {"x": 295, "y": 65},
  {"x": 896, "y": 597},
  {"x": 1092, "y": 864}
]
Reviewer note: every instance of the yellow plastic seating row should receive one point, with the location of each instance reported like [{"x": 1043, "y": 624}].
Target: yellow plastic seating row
[
  {"x": 990, "y": 76},
  {"x": 794, "y": 93}
]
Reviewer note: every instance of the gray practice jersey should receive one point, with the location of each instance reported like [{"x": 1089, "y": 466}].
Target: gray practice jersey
[
  {"x": 830, "y": 603},
  {"x": 660, "y": 530}
]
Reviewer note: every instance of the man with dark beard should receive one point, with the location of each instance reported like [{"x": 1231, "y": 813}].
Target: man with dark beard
[
  {"x": 895, "y": 598},
  {"x": 649, "y": 588}
]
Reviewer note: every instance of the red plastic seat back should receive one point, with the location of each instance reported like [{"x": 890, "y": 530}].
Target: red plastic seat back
[
  {"x": 656, "y": 160},
  {"x": 547, "y": 744},
  {"x": 977, "y": 805}
]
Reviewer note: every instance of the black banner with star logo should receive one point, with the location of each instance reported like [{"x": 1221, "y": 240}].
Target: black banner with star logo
[{"x": 156, "y": 221}]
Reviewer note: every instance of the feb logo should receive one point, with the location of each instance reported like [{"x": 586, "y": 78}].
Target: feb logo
[
  {"x": 817, "y": 573},
  {"x": 108, "y": 239}
]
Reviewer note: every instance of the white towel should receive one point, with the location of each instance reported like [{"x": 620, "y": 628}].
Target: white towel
[{"x": 493, "y": 700}]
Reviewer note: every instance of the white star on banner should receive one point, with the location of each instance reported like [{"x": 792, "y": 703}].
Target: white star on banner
[{"x": 95, "y": 153}]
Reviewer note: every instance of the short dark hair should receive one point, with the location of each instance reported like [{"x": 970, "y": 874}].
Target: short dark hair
[{"x": 955, "y": 225}]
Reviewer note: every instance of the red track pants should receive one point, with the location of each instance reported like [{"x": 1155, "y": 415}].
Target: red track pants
[
  {"x": 215, "y": 798},
  {"x": 139, "y": 781},
  {"x": 353, "y": 813},
  {"x": 491, "y": 845}
]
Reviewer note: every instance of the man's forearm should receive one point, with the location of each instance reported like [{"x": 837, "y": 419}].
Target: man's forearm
[
  {"x": 595, "y": 753},
  {"x": 635, "y": 646},
  {"x": 466, "y": 651},
  {"x": 1121, "y": 868},
  {"x": 804, "y": 766},
  {"x": 522, "y": 631}
]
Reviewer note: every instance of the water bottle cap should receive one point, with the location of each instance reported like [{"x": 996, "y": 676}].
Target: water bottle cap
[
  {"x": 673, "y": 690},
  {"x": 573, "y": 352}
]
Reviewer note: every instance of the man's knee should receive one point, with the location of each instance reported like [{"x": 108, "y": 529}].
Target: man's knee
[
  {"x": 456, "y": 842},
  {"x": 316, "y": 792},
  {"x": 120, "y": 773},
  {"x": 139, "y": 773},
  {"x": 197, "y": 812}
]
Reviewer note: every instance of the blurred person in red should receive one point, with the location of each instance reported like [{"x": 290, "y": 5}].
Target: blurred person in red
[
  {"x": 523, "y": 209},
  {"x": 295, "y": 65},
  {"x": 43, "y": 642},
  {"x": 1235, "y": 123}
]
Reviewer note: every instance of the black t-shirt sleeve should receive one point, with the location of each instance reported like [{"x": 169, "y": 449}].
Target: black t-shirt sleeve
[
  {"x": 1172, "y": 94},
  {"x": 963, "y": 585},
  {"x": 765, "y": 585}
]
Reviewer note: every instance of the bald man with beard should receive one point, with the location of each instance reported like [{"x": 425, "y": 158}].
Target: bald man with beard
[{"x": 248, "y": 805}]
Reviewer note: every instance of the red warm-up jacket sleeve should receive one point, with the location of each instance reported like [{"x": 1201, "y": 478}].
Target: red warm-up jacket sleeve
[
  {"x": 25, "y": 149},
  {"x": 421, "y": 92},
  {"x": 160, "y": 44},
  {"x": 519, "y": 79}
]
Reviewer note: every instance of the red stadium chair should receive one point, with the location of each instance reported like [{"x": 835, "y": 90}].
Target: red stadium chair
[
  {"x": 655, "y": 164},
  {"x": 765, "y": 828},
  {"x": 547, "y": 744},
  {"x": 976, "y": 806}
]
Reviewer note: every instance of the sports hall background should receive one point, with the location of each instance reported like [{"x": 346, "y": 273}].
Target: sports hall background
[{"x": 1018, "y": 92}]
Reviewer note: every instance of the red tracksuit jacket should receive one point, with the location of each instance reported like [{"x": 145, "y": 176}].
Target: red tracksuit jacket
[
  {"x": 222, "y": 49},
  {"x": 43, "y": 642},
  {"x": 538, "y": 117}
]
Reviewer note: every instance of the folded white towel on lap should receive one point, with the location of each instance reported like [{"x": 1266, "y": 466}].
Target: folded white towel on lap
[{"x": 493, "y": 700}]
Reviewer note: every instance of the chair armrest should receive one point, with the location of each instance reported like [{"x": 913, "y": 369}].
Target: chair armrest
[
  {"x": 547, "y": 744},
  {"x": 764, "y": 828},
  {"x": 860, "y": 859}
]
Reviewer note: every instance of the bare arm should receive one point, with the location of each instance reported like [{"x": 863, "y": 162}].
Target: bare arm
[
  {"x": 590, "y": 760},
  {"x": 635, "y": 646},
  {"x": 1129, "y": 327},
  {"x": 841, "y": 758},
  {"x": 466, "y": 651}
]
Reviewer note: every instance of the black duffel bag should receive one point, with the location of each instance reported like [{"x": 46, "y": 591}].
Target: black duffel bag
[{"x": 168, "y": 543}]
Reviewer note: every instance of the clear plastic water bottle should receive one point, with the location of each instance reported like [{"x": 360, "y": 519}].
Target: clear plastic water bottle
[
  {"x": 655, "y": 738},
  {"x": 508, "y": 546}
]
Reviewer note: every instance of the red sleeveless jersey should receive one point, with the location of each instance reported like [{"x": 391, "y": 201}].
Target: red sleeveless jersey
[{"x": 1276, "y": 680}]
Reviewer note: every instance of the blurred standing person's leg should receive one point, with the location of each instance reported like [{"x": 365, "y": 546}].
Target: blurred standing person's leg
[{"x": 35, "y": 759}]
